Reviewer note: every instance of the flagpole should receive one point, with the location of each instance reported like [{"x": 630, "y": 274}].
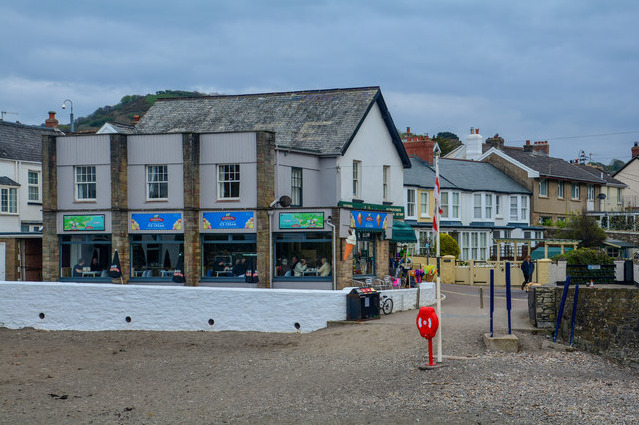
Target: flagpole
[{"x": 438, "y": 252}]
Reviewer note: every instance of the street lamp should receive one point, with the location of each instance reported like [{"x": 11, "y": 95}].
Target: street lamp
[{"x": 72, "y": 120}]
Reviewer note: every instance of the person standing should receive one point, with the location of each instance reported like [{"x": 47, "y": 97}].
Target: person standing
[{"x": 527, "y": 268}]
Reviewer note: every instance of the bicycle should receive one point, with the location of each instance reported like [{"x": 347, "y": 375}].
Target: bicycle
[{"x": 385, "y": 304}]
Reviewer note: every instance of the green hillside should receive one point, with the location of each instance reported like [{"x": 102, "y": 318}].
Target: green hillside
[{"x": 124, "y": 111}]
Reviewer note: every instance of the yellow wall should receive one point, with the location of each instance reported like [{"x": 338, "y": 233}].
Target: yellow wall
[{"x": 431, "y": 202}]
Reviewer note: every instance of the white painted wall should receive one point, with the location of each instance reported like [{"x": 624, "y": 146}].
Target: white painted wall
[
  {"x": 373, "y": 146},
  {"x": 100, "y": 307},
  {"x": 18, "y": 172}
]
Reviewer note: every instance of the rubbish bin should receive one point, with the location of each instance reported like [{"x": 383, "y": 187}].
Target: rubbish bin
[
  {"x": 362, "y": 304},
  {"x": 628, "y": 272}
]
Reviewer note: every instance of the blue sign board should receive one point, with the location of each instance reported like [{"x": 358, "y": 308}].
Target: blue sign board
[
  {"x": 159, "y": 221},
  {"x": 368, "y": 220},
  {"x": 228, "y": 220}
]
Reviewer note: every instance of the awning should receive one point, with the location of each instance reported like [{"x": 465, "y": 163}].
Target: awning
[{"x": 402, "y": 232}]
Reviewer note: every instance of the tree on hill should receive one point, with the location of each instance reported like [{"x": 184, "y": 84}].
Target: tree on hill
[{"x": 447, "y": 142}]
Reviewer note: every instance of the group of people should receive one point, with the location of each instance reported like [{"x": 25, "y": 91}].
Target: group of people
[
  {"x": 78, "y": 269},
  {"x": 298, "y": 266},
  {"x": 238, "y": 269}
]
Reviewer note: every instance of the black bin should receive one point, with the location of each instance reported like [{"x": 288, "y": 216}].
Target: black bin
[
  {"x": 362, "y": 304},
  {"x": 628, "y": 272}
]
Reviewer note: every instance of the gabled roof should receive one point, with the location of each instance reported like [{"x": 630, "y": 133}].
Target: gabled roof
[
  {"x": 22, "y": 142},
  {"x": 547, "y": 166},
  {"x": 625, "y": 165},
  {"x": 610, "y": 181},
  {"x": 116, "y": 128},
  {"x": 459, "y": 174},
  {"x": 323, "y": 121},
  {"x": 6, "y": 181}
]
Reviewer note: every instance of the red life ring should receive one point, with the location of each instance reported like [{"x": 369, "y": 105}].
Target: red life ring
[{"x": 427, "y": 322}]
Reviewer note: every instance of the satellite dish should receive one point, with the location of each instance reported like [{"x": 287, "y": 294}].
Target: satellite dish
[{"x": 285, "y": 201}]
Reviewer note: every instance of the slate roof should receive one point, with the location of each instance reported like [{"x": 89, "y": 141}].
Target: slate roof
[
  {"x": 22, "y": 142},
  {"x": 552, "y": 167},
  {"x": 610, "y": 180},
  {"x": 322, "y": 121},
  {"x": 6, "y": 181},
  {"x": 461, "y": 175}
]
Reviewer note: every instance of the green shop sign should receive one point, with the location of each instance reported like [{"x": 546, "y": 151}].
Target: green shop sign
[
  {"x": 302, "y": 220},
  {"x": 83, "y": 222},
  {"x": 396, "y": 210}
]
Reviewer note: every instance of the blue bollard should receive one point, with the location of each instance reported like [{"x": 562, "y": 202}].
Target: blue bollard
[
  {"x": 561, "y": 307},
  {"x": 574, "y": 313},
  {"x": 492, "y": 299},
  {"x": 508, "y": 302}
]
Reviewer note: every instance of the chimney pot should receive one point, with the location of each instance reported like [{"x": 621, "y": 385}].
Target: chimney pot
[
  {"x": 136, "y": 118},
  {"x": 51, "y": 122},
  {"x": 408, "y": 130}
]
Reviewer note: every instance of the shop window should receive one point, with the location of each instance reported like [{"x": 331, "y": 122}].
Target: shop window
[
  {"x": 228, "y": 181},
  {"x": 303, "y": 255},
  {"x": 157, "y": 182},
  {"x": 85, "y": 256},
  {"x": 228, "y": 256},
  {"x": 155, "y": 255},
  {"x": 9, "y": 200},
  {"x": 364, "y": 254},
  {"x": 85, "y": 186}
]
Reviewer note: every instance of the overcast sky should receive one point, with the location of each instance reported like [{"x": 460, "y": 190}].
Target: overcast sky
[{"x": 562, "y": 71}]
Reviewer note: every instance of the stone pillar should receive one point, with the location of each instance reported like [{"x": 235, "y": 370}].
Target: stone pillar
[
  {"x": 120, "y": 204},
  {"x": 343, "y": 269},
  {"x": 265, "y": 145},
  {"x": 191, "y": 218},
  {"x": 543, "y": 271},
  {"x": 50, "y": 245},
  {"x": 381, "y": 258}
]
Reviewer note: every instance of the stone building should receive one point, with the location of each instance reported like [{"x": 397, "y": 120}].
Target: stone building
[{"x": 231, "y": 185}]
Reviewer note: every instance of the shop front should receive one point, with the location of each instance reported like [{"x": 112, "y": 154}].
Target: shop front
[
  {"x": 84, "y": 246},
  {"x": 156, "y": 241},
  {"x": 371, "y": 229},
  {"x": 229, "y": 248},
  {"x": 302, "y": 249}
]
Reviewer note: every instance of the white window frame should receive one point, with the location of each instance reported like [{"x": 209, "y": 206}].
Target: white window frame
[
  {"x": 498, "y": 207},
  {"x": 477, "y": 206},
  {"x": 157, "y": 171},
  {"x": 386, "y": 182},
  {"x": 590, "y": 190},
  {"x": 85, "y": 181},
  {"x": 225, "y": 185},
  {"x": 543, "y": 188},
  {"x": 444, "y": 204},
  {"x": 33, "y": 187},
  {"x": 523, "y": 208},
  {"x": 488, "y": 206},
  {"x": 560, "y": 190},
  {"x": 619, "y": 197},
  {"x": 296, "y": 186},
  {"x": 514, "y": 208},
  {"x": 456, "y": 205},
  {"x": 7, "y": 194},
  {"x": 357, "y": 178},
  {"x": 574, "y": 190},
  {"x": 411, "y": 205},
  {"x": 424, "y": 204}
]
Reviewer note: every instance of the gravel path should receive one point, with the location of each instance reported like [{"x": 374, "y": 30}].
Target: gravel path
[{"x": 356, "y": 373}]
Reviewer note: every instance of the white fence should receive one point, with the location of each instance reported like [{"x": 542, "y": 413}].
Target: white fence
[{"x": 99, "y": 307}]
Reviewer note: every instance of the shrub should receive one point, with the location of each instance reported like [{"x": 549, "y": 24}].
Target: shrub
[
  {"x": 584, "y": 256},
  {"x": 449, "y": 246}
]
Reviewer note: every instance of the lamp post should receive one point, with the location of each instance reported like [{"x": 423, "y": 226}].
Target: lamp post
[{"x": 72, "y": 120}]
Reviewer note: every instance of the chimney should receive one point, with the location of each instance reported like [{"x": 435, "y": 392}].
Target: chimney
[
  {"x": 635, "y": 149},
  {"x": 51, "y": 122},
  {"x": 496, "y": 142},
  {"x": 407, "y": 130},
  {"x": 421, "y": 147},
  {"x": 528, "y": 147},
  {"x": 541, "y": 147},
  {"x": 136, "y": 118},
  {"x": 473, "y": 144}
]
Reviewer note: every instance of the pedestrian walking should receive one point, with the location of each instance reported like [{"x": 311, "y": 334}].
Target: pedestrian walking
[{"x": 527, "y": 268}]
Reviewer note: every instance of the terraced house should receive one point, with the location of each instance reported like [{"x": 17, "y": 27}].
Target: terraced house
[{"x": 479, "y": 203}]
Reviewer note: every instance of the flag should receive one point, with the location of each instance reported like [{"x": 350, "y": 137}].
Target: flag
[{"x": 437, "y": 210}]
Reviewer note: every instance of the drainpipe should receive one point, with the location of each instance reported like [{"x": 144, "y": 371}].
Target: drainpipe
[
  {"x": 270, "y": 245},
  {"x": 329, "y": 222}
]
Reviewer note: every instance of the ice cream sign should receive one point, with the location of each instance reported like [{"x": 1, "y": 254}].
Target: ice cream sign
[
  {"x": 83, "y": 222},
  {"x": 160, "y": 221},
  {"x": 368, "y": 220},
  {"x": 228, "y": 220}
]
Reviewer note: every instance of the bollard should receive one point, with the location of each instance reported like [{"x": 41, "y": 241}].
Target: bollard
[
  {"x": 481, "y": 297},
  {"x": 574, "y": 313},
  {"x": 561, "y": 307},
  {"x": 492, "y": 300},
  {"x": 508, "y": 301}
]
